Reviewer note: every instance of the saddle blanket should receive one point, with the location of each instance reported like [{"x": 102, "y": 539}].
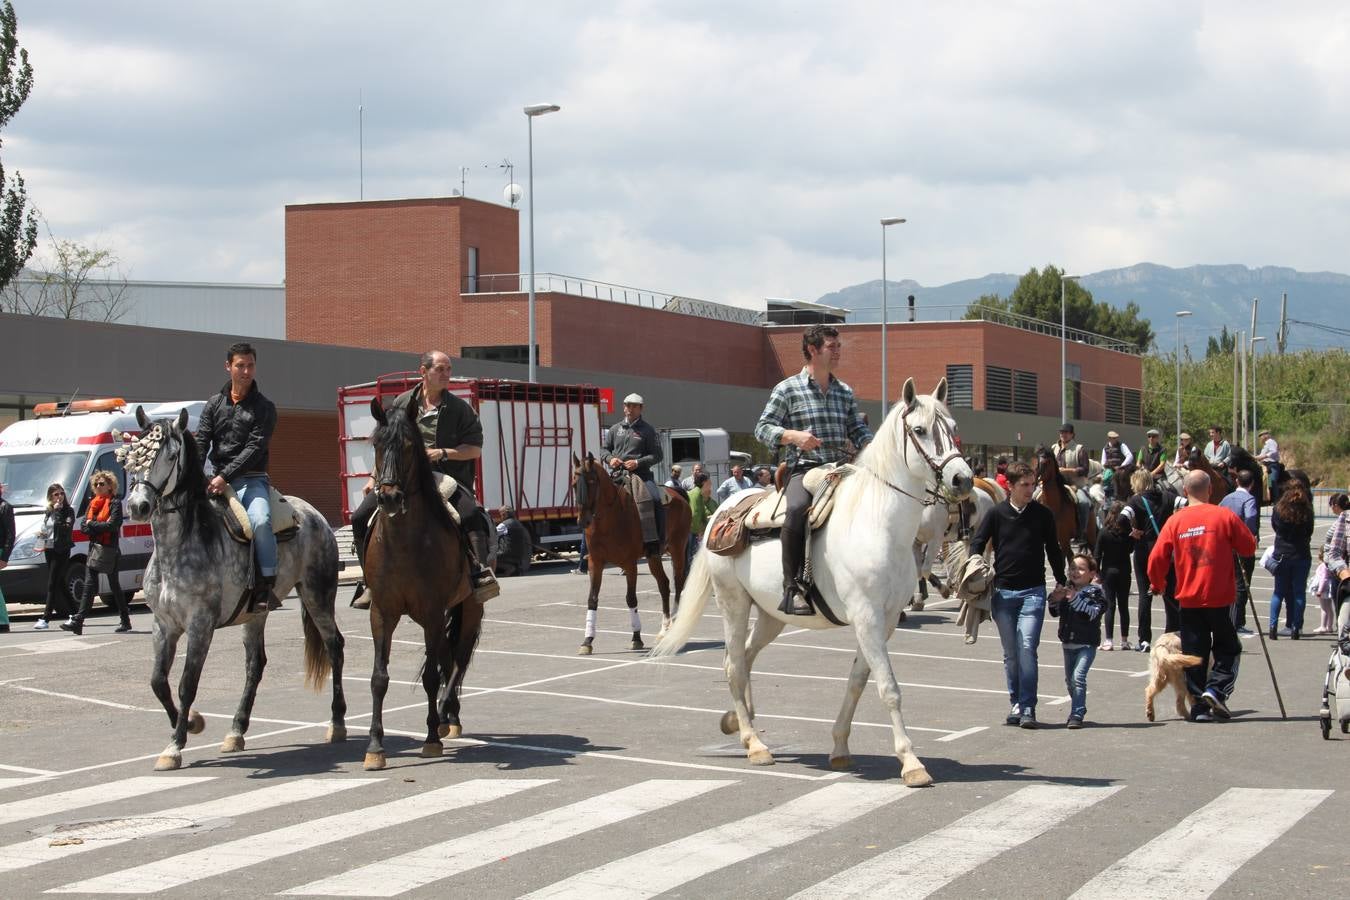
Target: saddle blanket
[
  {"x": 284, "y": 522},
  {"x": 765, "y": 511}
]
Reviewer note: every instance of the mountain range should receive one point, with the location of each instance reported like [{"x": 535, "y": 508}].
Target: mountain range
[{"x": 1217, "y": 296}]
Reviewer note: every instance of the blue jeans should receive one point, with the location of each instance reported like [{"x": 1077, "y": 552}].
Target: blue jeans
[
  {"x": 252, "y": 491},
  {"x": 1291, "y": 583},
  {"x": 1019, "y": 616},
  {"x": 1077, "y": 661}
]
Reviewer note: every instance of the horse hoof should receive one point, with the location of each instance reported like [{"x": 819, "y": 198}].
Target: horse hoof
[
  {"x": 584, "y": 650},
  {"x": 337, "y": 734},
  {"x": 729, "y": 724},
  {"x": 453, "y": 732},
  {"x": 167, "y": 763},
  {"x": 761, "y": 758},
  {"x": 917, "y": 605},
  {"x": 841, "y": 763},
  {"x": 233, "y": 743},
  {"x": 196, "y": 724},
  {"x": 903, "y": 616},
  {"x": 432, "y": 750},
  {"x": 374, "y": 762},
  {"x": 637, "y": 644},
  {"x": 917, "y": 778}
]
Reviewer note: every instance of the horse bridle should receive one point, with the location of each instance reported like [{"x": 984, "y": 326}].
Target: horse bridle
[
  {"x": 389, "y": 476},
  {"x": 169, "y": 483}
]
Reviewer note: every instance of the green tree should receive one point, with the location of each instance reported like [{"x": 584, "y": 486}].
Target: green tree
[
  {"x": 1038, "y": 295},
  {"x": 1222, "y": 345},
  {"x": 18, "y": 222}
]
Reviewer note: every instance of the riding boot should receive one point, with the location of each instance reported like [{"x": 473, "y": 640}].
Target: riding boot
[
  {"x": 262, "y": 596},
  {"x": 485, "y": 585},
  {"x": 360, "y": 599},
  {"x": 793, "y": 538}
]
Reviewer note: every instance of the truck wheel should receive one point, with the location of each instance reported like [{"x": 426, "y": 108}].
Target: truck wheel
[{"x": 75, "y": 575}]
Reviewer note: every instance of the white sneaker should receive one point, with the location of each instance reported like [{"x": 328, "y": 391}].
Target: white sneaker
[
  {"x": 1106, "y": 645},
  {"x": 40, "y": 625}
]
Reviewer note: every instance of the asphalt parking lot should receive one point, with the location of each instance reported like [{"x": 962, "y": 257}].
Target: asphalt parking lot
[{"x": 607, "y": 775}]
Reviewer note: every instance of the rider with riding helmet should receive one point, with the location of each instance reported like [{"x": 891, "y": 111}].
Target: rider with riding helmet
[
  {"x": 454, "y": 439},
  {"x": 234, "y": 432},
  {"x": 1072, "y": 459},
  {"x": 815, "y": 416},
  {"x": 633, "y": 446}
]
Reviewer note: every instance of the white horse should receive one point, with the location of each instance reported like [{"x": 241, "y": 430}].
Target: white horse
[
  {"x": 940, "y": 538},
  {"x": 863, "y": 564}
]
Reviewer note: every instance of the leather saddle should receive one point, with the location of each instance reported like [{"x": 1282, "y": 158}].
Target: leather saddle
[
  {"x": 762, "y": 513},
  {"x": 445, "y": 486},
  {"x": 285, "y": 524},
  {"x": 634, "y": 485}
]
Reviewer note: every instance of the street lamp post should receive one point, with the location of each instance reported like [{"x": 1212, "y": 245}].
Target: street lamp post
[
  {"x": 885, "y": 382},
  {"x": 1063, "y": 353},
  {"x": 534, "y": 109},
  {"x": 1181, "y": 314},
  {"x": 1255, "y": 430}
]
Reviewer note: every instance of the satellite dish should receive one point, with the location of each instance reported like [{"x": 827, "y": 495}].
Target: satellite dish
[{"x": 512, "y": 193}]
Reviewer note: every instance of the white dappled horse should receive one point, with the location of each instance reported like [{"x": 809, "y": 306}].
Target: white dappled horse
[
  {"x": 940, "y": 538},
  {"x": 863, "y": 563}
]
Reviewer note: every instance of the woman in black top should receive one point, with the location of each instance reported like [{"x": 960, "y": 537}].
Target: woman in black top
[
  {"x": 1114, "y": 549},
  {"x": 1292, "y": 522},
  {"x": 58, "y": 526},
  {"x": 1147, "y": 511}
]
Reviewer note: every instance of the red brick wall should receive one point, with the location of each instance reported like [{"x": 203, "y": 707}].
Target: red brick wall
[
  {"x": 304, "y": 460},
  {"x": 387, "y": 274}
]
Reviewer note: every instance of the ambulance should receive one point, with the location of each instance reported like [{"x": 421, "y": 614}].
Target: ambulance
[{"x": 66, "y": 443}]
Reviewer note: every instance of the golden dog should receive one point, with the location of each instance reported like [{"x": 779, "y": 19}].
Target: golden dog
[{"x": 1166, "y": 664}]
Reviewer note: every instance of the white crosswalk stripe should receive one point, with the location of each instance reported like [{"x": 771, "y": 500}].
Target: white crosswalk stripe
[
  {"x": 1203, "y": 851},
  {"x": 43, "y": 849},
  {"x": 211, "y": 861},
  {"x": 391, "y": 877},
  {"x": 111, "y": 792},
  {"x": 929, "y": 863},
  {"x": 666, "y": 867}
]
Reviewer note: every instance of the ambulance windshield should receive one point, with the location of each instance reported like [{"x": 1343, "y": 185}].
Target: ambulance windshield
[{"x": 26, "y": 476}]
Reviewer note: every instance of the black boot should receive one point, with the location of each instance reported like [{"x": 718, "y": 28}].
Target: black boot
[
  {"x": 795, "y": 602},
  {"x": 262, "y": 597},
  {"x": 359, "y": 599}
]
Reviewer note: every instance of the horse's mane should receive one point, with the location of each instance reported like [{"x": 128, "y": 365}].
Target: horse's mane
[
  {"x": 884, "y": 455},
  {"x": 399, "y": 431}
]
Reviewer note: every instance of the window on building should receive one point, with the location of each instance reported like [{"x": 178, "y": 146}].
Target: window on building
[
  {"x": 1073, "y": 390},
  {"x": 961, "y": 387},
  {"x": 471, "y": 272},
  {"x": 509, "y": 353},
  {"x": 998, "y": 389},
  {"x": 1026, "y": 393},
  {"x": 1123, "y": 405}
]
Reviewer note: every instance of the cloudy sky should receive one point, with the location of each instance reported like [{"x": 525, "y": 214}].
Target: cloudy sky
[{"x": 729, "y": 151}]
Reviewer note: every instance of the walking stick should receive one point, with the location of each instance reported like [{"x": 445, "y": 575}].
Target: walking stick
[{"x": 1260, "y": 633}]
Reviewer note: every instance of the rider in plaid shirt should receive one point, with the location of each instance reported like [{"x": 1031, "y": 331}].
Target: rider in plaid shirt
[{"x": 816, "y": 426}]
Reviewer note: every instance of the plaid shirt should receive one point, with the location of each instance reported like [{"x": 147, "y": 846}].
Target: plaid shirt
[{"x": 797, "y": 404}]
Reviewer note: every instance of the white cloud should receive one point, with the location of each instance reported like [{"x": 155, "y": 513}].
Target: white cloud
[{"x": 725, "y": 151}]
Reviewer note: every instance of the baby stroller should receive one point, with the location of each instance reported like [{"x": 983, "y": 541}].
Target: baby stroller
[{"x": 1336, "y": 688}]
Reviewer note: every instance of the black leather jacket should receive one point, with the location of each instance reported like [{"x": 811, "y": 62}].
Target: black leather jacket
[
  {"x": 58, "y": 524},
  {"x": 235, "y": 436},
  {"x": 6, "y": 529}
]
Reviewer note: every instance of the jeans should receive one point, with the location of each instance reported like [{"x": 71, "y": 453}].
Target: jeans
[
  {"x": 59, "y": 599},
  {"x": 1291, "y": 583},
  {"x": 1077, "y": 661},
  {"x": 1116, "y": 587},
  {"x": 1019, "y": 616},
  {"x": 253, "y": 493}
]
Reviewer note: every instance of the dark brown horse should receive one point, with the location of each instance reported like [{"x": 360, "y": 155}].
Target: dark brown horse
[
  {"x": 1218, "y": 483},
  {"x": 417, "y": 566},
  {"x": 1054, "y": 495},
  {"x": 614, "y": 535}
]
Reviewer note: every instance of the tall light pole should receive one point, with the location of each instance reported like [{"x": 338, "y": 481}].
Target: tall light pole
[
  {"x": 1255, "y": 431},
  {"x": 534, "y": 109},
  {"x": 885, "y": 383},
  {"x": 1181, "y": 314},
  {"x": 1063, "y": 353}
]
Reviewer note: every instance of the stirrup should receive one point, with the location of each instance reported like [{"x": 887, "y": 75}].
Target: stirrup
[
  {"x": 485, "y": 585},
  {"x": 795, "y": 602}
]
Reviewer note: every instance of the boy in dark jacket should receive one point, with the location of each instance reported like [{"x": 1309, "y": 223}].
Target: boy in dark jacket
[{"x": 1080, "y": 630}]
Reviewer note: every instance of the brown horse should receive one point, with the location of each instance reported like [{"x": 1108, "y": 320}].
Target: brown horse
[
  {"x": 1218, "y": 484},
  {"x": 1053, "y": 493},
  {"x": 417, "y": 566},
  {"x": 614, "y": 535}
]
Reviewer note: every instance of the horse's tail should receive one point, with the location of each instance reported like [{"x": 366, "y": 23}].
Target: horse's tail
[
  {"x": 697, "y": 589},
  {"x": 317, "y": 663}
]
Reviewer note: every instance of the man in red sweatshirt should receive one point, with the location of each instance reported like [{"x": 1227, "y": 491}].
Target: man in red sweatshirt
[{"x": 1201, "y": 541}]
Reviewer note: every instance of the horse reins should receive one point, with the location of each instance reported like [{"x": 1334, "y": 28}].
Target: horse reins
[{"x": 932, "y": 496}]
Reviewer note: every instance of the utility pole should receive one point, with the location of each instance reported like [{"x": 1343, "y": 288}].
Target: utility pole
[
  {"x": 1249, "y": 350},
  {"x": 1237, "y": 338},
  {"x": 1241, "y": 349},
  {"x": 1283, "y": 333}
]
